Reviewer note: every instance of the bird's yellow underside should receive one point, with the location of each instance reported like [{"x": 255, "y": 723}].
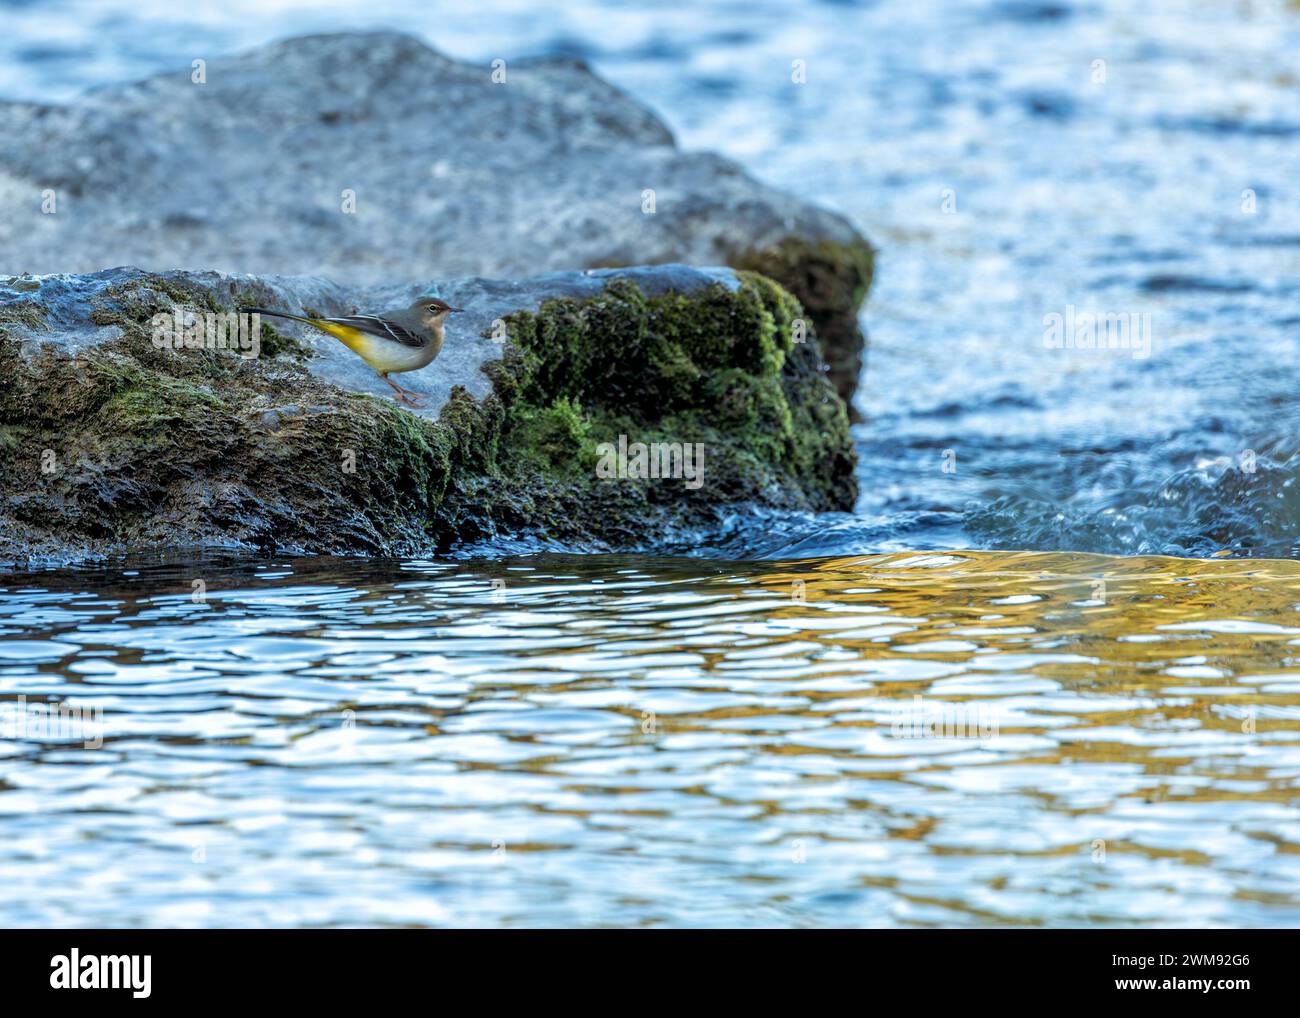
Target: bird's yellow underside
[{"x": 382, "y": 355}]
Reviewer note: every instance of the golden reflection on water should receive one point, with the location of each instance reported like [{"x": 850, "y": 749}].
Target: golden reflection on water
[
  {"x": 1137, "y": 621},
  {"x": 1165, "y": 644},
  {"x": 1182, "y": 671},
  {"x": 963, "y": 739}
]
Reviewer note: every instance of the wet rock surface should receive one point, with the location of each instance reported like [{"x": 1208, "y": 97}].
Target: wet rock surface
[
  {"x": 370, "y": 159},
  {"x": 116, "y": 443}
]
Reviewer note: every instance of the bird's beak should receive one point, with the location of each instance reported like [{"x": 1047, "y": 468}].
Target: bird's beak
[{"x": 455, "y": 309}]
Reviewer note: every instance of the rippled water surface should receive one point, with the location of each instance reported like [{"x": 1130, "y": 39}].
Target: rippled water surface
[
  {"x": 909, "y": 740},
  {"x": 940, "y": 737}
]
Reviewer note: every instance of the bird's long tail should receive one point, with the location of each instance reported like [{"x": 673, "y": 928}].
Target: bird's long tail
[{"x": 276, "y": 314}]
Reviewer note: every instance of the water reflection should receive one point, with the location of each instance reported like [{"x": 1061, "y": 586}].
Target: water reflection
[{"x": 974, "y": 738}]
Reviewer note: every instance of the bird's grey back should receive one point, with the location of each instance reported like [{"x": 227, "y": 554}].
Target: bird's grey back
[{"x": 392, "y": 326}]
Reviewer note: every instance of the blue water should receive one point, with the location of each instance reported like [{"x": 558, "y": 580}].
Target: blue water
[
  {"x": 922, "y": 740},
  {"x": 1002, "y": 179},
  {"x": 637, "y": 740}
]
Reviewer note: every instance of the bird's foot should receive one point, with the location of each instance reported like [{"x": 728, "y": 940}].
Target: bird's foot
[
  {"x": 403, "y": 395},
  {"x": 405, "y": 400}
]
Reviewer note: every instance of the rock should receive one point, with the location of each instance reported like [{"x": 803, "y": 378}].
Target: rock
[
  {"x": 115, "y": 442},
  {"x": 451, "y": 175}
]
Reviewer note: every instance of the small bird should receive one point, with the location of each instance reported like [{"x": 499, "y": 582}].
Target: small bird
[{"x": 398, "y": 341}]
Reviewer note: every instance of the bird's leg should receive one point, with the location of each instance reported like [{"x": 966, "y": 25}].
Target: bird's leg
[
  {"x": 410, "y": 392},
  {"x": 403, "y": 395}
]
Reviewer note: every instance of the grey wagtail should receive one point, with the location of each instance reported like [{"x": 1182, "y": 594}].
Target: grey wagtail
[{"x": 398, "y": 341}]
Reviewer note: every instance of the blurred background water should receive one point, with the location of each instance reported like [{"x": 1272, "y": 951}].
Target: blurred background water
[
  {"x": 1004, "y": 173},
  {"x": 637, "y": 740}
]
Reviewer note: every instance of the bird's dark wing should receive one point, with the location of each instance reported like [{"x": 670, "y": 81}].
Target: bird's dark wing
[{"x": 384, "y": 328}]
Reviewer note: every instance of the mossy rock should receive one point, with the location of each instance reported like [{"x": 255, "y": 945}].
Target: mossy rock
[
  {"x": 115, "y": 445},
  {"x": 830, "y": 280}
]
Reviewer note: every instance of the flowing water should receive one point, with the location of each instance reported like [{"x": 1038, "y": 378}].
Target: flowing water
[
  {"x": 877, "y": 718},
  {"x": 913, "y": 739}
]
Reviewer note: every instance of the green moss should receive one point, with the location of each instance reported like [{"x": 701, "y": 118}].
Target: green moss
[
  {"x": 826, "y": 277},
  {"x": 830, "y": 280},
  {"x": 556, "y": 438},
  {"x": 718, "y": 367},
  {"x": 274, "y": 343},
  {"x": 156, "y": 403},
  {"x": 26, "y": 313},
  {"x": 159, "y": 447},
  {"x": 132, "y": 306}
]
